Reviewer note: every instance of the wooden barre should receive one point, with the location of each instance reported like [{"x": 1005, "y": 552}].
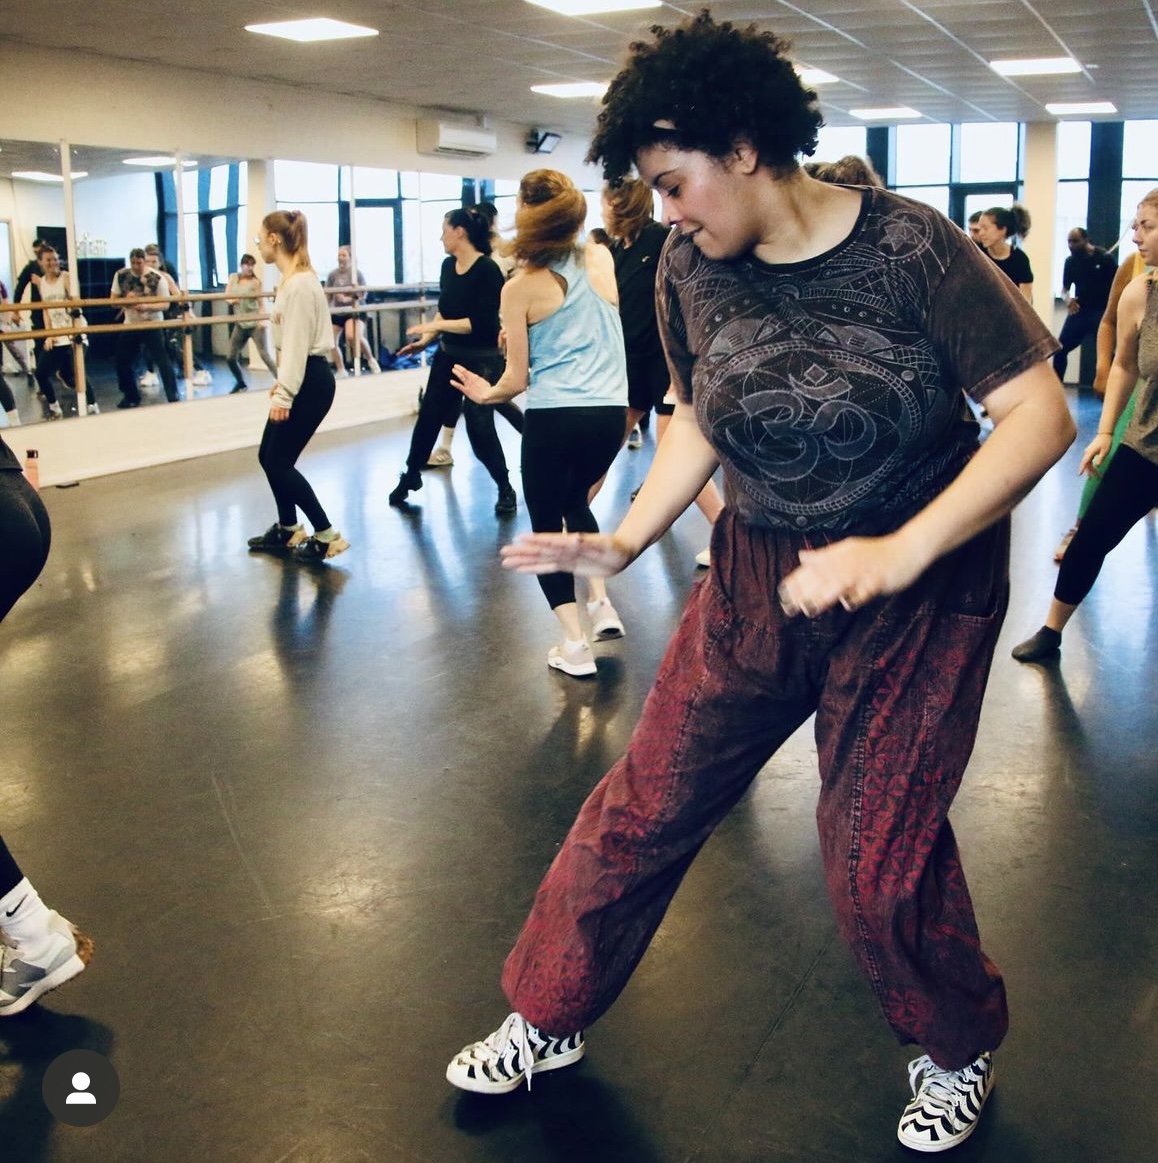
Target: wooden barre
[
  {"x": 170, "y": 324},
  {"x": 196, "y": 297}
]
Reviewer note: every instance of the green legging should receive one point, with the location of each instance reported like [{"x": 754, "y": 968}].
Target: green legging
[{"x": 1092, "y": 482}]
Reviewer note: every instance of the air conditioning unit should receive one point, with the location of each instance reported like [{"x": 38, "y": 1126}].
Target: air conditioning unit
[{"x": 447, "y": 139}]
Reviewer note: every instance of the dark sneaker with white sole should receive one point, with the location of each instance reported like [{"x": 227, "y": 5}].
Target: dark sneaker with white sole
[
  {"x": 315, "y": 549},
  {"x": 946, "y": 1104},
  {"x": 516, "y": 1050},
  {"x": 277, "y": 539}
]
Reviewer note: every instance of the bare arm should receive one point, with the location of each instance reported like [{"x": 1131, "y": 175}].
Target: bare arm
[
  {"x": 1108, "y": 328},
  {"x": 1027, "y": 291},
  {"x": 517, "y": 298},
  {"x": 1123, "y": 374}
]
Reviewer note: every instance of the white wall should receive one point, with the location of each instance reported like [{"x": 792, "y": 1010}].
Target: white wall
[
  {"x": 194, "y": 112},
  {"x": 28, "y": 205},
  {"x": 122, "y": 210}
]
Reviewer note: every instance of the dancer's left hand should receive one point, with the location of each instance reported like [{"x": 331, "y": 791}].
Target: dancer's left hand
[
  {"x": 473, "y": 386},
  {"x": 848, "y": 573}
]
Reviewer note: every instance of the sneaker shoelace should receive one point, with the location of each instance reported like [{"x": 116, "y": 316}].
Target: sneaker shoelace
[
  {"x": 939, "y": 1093},
  {"x": 513, "y": 1032}
]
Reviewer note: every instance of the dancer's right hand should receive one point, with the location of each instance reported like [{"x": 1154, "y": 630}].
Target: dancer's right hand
[
  {"x": 1094, "y": 455},
  {"x": 586, "y": 554}
]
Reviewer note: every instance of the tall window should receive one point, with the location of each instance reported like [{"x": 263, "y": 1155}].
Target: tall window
[
  {"x": 837, "y": 141},
  {"x": 957, "y": 168},
  {"x": 213, "y": 201},
  {"x": 315, "y": 189},
  {"x": 1139, "y": 170}
]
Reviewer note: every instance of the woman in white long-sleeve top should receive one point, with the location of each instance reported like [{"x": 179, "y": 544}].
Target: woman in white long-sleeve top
[{"x": 302, "y": 394}]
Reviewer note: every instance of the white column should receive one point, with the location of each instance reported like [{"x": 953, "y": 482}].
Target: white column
[{"x": 1040, "y": 199}]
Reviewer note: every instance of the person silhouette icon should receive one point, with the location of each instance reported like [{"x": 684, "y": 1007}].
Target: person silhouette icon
[{"x": 80, "y": 1096}]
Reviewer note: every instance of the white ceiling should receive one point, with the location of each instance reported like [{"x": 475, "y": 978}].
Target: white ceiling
[{"x": 482, "y": 56}]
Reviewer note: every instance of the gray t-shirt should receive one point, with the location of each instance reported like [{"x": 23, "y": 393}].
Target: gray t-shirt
[{"x": 831, "y": 388}]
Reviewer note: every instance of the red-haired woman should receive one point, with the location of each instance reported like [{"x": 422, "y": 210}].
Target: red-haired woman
[{"x": 565, "y": 349}]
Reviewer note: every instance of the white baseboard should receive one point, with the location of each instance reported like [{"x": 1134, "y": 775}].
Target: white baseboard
[{"x": 82, "y": 447}]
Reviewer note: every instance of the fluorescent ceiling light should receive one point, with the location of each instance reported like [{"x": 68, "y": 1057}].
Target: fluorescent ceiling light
[
  {"x": 592, "y": 7},
  {"x": 1036, "y": 66},
  {"x": 886, "y": 113},
  {"x": 816, "y": 77},
  {"x": 1074, "y": 108},
  {"x": 319, "y": 28},
  {"x": 41, "y": 176},
  {"x": 573, "y": 89},
  {"x": 157, "y": 161}
]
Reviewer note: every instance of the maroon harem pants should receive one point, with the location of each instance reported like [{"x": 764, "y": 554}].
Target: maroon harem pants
[{"x": 897, "y": 690}]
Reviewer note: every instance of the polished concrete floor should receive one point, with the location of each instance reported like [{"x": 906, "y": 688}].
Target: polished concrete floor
[{"x": 303, "y": 812}]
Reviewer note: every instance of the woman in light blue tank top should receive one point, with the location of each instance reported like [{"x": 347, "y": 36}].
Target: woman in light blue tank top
[{"x": 565, "y": 349}]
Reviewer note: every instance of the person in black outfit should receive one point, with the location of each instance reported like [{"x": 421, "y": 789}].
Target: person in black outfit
[
  {"x": 39, "y": 949},
  {"x": 466, "y": 326},
  {"x": 23, "y": 280},
  {"x": 1090, "y": 271},
  {"x": 999, "y": 230},
  {"x": 636, "y": 242}
]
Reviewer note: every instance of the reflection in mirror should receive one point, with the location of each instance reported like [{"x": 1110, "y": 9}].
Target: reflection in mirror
[
  {"x": 197, "y": 209},
  {"x": 123, "y": 199}
]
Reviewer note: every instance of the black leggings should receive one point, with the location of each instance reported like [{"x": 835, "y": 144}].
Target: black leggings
[
  {"x": 283, "y": 443},
  {"x": 58, "y": 359},
  {"x": 25, "y": 534},
  {"x": 1128, "y": 491},
  {"x": 7, "y": 399},
  {"x": 442, "y": 403},
  {"x": 565, "y": 451}
]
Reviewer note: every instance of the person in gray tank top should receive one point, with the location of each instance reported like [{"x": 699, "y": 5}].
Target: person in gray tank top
[{"x": 1129, "y": 488}]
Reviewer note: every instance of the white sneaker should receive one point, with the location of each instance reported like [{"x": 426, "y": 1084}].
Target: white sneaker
[
  {"x": 440, "y": 458},
  {"x": 201, "y": 378},
  {"x": 23, "y": 979},
  {"x": 55, "y": 411},
  {"x": 605, "y": 622},
  {"x": 946, "y": 1105},
  {"x": 94, "y": 409},
  {"x": 573, "y": 658},
  {"x": 704, "y": 558},
  {"x": 516, "y": 1050},
  {"x": 375, "y": 367},
  {"x": 635, "y": 440},
  {"x": 149, "y": 380}
]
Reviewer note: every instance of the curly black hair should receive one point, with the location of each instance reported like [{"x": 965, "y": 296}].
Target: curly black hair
[{"x": 717, "y": 84}]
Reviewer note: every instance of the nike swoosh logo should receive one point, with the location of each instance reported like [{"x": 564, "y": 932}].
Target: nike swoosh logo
[{"x": 12, "y": 912}]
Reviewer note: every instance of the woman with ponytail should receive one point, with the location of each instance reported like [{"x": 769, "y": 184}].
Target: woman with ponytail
[
  {"x": 466, "y": 326},
  {"x": 301, "y": 395},
  {"x": 565, "y": 349},
  {"x": 999, "y": 230}
]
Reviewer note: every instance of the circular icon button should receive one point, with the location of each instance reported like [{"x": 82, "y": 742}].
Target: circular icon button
[{"x": 81, "y": 1088}]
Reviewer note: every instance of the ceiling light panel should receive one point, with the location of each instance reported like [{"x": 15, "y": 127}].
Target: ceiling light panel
[
  {"x": 1036, "y": 67},
  {"x": 572, "y": 89},
  {"x": 594, "y": 7},
  {"x": 1079, "y": 108},
  {"x": 886, "y": 113},
  {"x": 307, "y": 31}
]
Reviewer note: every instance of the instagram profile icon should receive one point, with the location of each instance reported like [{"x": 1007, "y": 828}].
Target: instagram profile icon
[{"x": 81, "y": 1088}]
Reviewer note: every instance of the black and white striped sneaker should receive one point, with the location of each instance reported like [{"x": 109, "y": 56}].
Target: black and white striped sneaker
[
  {"x": 516, "y": 1050},
  {"x": 946, "y": 1104}
]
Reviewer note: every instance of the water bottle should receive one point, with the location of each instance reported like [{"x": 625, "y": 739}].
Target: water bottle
[{"x": 32, "y": 467}]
